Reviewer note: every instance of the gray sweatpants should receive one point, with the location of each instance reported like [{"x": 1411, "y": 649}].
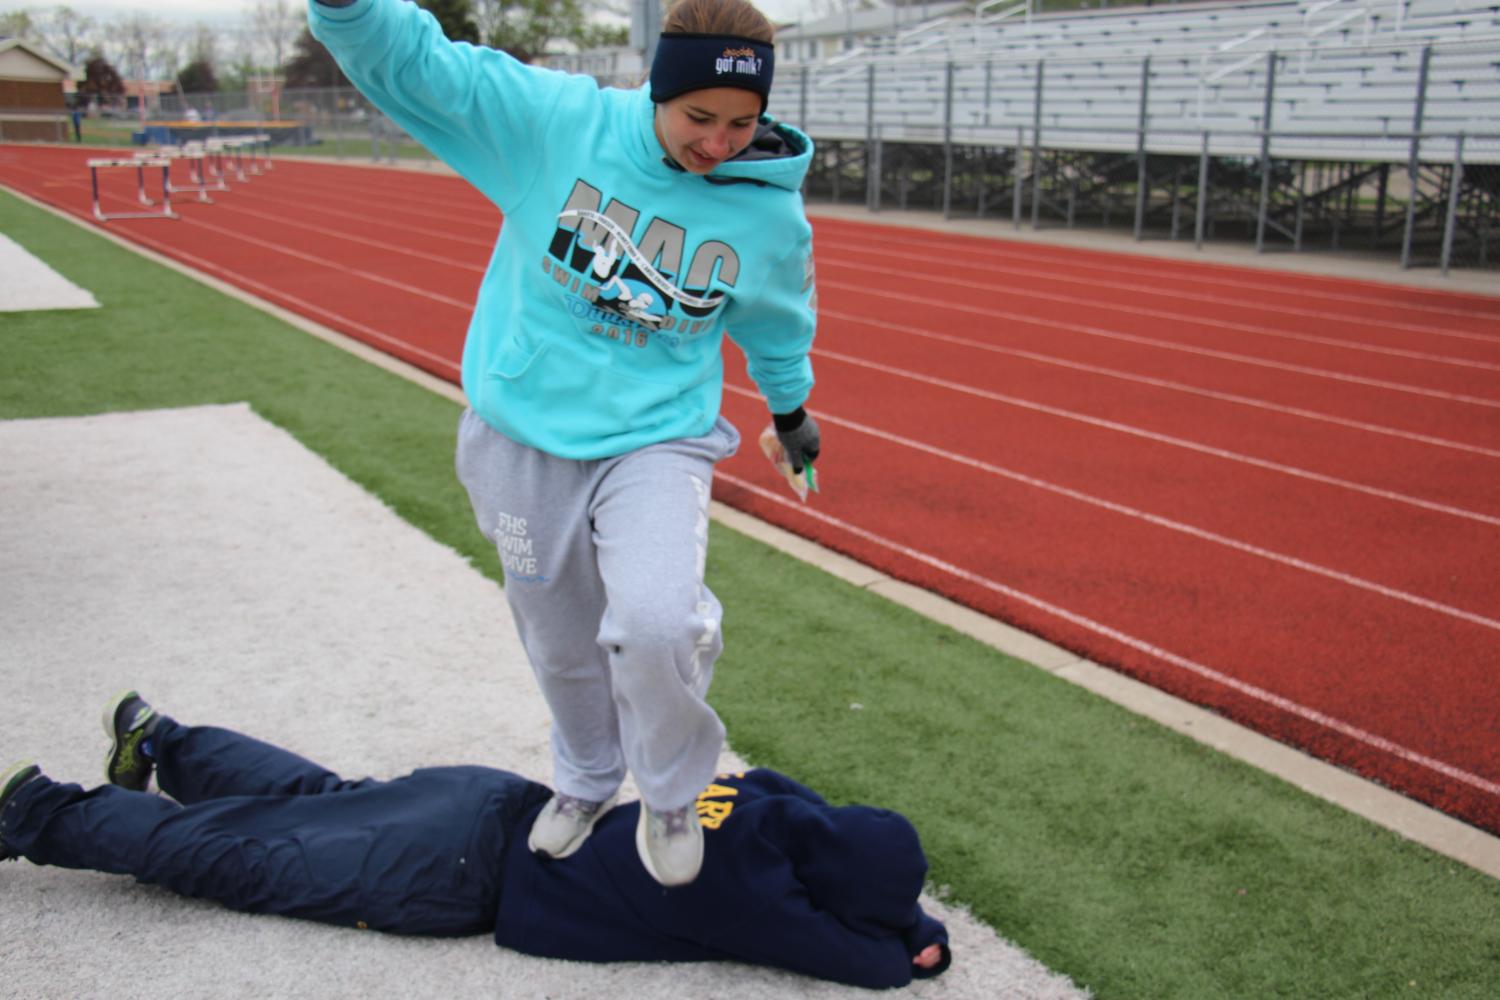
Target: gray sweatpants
[{"x": 604, "y": 575}]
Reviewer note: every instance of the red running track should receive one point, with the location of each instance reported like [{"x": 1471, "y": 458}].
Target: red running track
[{"x": 1273, "y": 494}]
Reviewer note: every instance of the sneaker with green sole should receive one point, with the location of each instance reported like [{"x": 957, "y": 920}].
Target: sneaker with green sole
[
  {"x": 10, "y": 783},
  {"x": 128, "y": 720}
]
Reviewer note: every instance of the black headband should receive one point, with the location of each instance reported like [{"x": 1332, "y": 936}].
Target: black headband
[{"x": 686, "y": 62}]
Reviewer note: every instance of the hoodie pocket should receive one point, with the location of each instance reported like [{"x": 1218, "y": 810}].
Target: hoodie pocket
[
  {"x": 580, "y": 399},
  {"x": 515, "y": 359}
]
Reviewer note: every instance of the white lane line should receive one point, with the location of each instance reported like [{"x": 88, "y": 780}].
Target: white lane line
[
  {"x": 391, "y": 208},
  {"x": 378, "y": 279},
  {"x": 1093, "y": 331},
  {"x": 1225, "y": 275},
  {"x": 409, "y": 200},
  {"x": 1202, "y": 534},
  {"x": 1141, "y": 645},
  {"x": 1227, "y": 397},
  {"x": 1178, "y": 319},
  {"x": 364, "y": 219},
  {"x": 467, "y": 306},
  {"x": 276, "y": 296},
  {"x": 1232, "y": 456},
  {"x": 289, "y": 222}
]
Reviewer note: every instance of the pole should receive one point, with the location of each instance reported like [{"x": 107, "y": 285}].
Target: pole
[
  {"x": 1019, "y": 178},
  {"x": 948, "y": 143},
  {"x": 1413, "y": 163},
  {"x": 1036, "y": 147},
  {"x": 1202, "y": 194},
  {"x": 1140, "y": 149},
  {"x": 1451, "y": 221},
  {"x": 1265, "y": 153}
]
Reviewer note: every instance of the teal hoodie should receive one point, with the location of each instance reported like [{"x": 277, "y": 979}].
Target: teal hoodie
[{"x": 599, "y": 326}]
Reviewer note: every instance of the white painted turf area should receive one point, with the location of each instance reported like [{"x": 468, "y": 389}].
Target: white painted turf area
[
  {"x": 207, "y": 558},
  {"x": 26, "y": 283}
]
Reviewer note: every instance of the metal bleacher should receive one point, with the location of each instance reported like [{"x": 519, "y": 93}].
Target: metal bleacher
[
  {"x": 1364, "y": 84},
  {"x": 1344, "y": 67}
]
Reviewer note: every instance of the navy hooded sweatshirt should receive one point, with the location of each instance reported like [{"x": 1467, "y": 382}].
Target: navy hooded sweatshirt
[{"x": 787, "y": 881}]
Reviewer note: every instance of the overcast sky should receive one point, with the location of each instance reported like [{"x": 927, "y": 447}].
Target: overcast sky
[{"x": 231, "y": 12}]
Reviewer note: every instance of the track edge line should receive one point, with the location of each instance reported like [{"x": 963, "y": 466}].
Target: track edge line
[{"x": 1391, "y": 810}]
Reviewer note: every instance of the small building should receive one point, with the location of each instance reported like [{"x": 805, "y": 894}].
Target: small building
[
  {"x": 611, "y": 65},
  {"x": 32, "y": 105}
]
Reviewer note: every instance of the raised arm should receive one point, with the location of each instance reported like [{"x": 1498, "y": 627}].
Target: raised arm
[{"x": 481, "y": 111}]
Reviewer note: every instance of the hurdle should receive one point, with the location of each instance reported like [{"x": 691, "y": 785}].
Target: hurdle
[
  {"x": 140, "y": 165},
  {"x": 194, "y": 158},
  {"x": 234, "y": 148},
  {"x": 260, "y": 150},
  {"x": 210, "y": 160}
]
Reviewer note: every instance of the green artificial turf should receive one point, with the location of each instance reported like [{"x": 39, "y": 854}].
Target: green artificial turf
[{"x": 1128, "y": 857}]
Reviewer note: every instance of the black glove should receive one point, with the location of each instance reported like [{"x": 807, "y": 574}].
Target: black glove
[{"x": 798, "y": 433}]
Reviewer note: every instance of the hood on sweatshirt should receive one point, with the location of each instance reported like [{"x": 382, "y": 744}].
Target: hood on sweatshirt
[
  {"x": 864, "y": 864},
  {"x": 779, "y": 155}
]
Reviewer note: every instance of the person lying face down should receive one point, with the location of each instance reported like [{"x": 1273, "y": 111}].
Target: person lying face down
[{"x": 787, "y": 880}]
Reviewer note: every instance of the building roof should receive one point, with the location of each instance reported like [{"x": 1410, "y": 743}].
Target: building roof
[{"x": 68, "y": 70}]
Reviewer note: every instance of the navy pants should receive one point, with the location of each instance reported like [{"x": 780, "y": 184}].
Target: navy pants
[{"x": 262, "y": 830}]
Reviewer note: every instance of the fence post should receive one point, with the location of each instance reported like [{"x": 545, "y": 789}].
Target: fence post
[
  {"x": 989, "y": 75},
  {"x": 1202, "y": 194},
  {"x": 1140, "y": 149},
  {"x": 870, "y": 181},
  {"x": 1451, "y": 221},
  {"x": 1413, "y": 164},
  {"x": 802, "y": 101},
  {"x": 1036, "y": 147},
  {"x": 1265, "y": 153},
  {"x": 948, "y": 142},
  {"x": 1020, "y": 177}
]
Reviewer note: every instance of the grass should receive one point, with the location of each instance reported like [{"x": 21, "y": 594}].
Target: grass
[{"x": 1139, "y": 863}]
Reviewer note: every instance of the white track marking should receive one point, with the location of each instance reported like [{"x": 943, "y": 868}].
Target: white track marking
[
  {"x": 396, "y": 248},
  {"x": 401, "y": 203},
  {"x": 1227, "y": 397},
  {"x": 1156, "y": 519},
  {"x": 276, "y": 296},
  {"x": 321, "y": 207},
  {"x": 1177, "y": 318},
  {"x": 467, "y": 306},
  {"x": 1197, "y": 272},
  {"x": 379, "y": 279},
  {"x": 998, "y": 314},
  {"x": 1166, "y": 439},
  {"x": 1250, "y": 690}
]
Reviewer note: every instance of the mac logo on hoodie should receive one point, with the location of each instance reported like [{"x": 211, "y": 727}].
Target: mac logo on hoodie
[{"x": 643, "y": 281}]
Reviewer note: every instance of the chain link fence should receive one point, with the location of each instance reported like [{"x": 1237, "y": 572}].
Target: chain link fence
[{"x": 1435, "y": 205}]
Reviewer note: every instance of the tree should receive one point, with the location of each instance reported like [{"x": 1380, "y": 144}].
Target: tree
[
  {"x": 274, "y": 23},
  {"x": 526, "y": 28},
  {"x": 455, "y": 17},
  {"x": 197, "y": 77},
  {"x": 69, "y": 34},
  {"x": 17, "y": 24},
  {"x": 204, "y": 46},
  {"x": 312, "y": 65},
  {"x": 101, "y": 81},
  {"x": 148, "y": 49}
]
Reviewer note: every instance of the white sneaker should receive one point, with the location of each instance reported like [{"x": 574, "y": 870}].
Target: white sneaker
[
  {"x": 564, "y": 823},
  {"x": 670, "y": 844}
]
